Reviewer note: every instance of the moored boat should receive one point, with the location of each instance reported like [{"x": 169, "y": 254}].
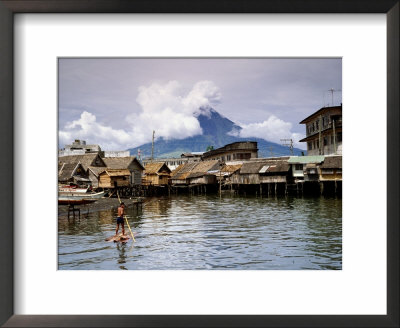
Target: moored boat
[{"x": 69, "y": 198}]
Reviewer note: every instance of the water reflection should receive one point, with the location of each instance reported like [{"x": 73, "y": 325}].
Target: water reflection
[{"x": 205, "y": 232}]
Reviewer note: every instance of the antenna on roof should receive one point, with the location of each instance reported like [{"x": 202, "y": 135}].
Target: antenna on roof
[
  {"x": 152, "y": 147},
  {"x": 331, "y": 90},
  {"x": 289, "y": 143}
]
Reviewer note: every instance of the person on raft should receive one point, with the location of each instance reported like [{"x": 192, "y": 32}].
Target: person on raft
[{"x": 120, "y": 218}]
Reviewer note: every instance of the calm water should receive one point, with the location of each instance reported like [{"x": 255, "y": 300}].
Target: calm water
[{"x": 204, "y": 232}]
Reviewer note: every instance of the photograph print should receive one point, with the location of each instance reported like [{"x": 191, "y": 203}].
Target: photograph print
[{"x": 199, "y": 163}]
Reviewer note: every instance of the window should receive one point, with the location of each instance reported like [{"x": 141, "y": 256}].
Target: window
[
  {"x": 317, "y": 125},
  {"x": 228, "y": 157},
  {"x": 325, "y": 141},
  {"x": 309, "y": 145},
  {"x": 298, "y": 167},
  {"x": 339, "y": 137}
]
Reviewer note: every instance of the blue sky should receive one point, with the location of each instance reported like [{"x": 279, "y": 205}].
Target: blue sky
[{"x": 116, "y": 103}]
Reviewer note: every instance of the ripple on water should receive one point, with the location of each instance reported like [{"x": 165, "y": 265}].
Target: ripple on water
[{"x": 205, "y": 233}]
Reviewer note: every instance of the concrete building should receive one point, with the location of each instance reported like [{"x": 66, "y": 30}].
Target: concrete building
[
  {"x": 324, "y": 131},
  {"x": 237, "y": 151},
  {"x": 79, "y": 147},
  {"x": 117, "y": 153}
]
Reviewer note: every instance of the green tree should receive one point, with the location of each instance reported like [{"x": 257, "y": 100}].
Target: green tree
[{"x": 210, "y": 148}]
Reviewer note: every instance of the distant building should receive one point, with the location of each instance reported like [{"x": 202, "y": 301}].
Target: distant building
[
  {"x": 172, "y": 163},
  {"x": 117, "y": 153},
  {"x": 79, "y": 147},
  {"x": 193, "y": 156},
  {"x": 324, "y": 131},
  {"x": 239, "y": 151}
]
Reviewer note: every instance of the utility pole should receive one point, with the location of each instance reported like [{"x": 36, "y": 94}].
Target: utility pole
[
  {"x": 334, "y": 136},
  {"x": 220, "y": 180},
  {"x": 288, "y": 143},
  {"x": 270, "y": 151},
  {"x": 320, "y": 148},
  {"x": 152, "y": 147}
]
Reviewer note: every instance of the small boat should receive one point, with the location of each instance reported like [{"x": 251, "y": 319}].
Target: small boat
[
  {"x": 73, "y": 194},
  {"x": 73, "y": 188},
  {"x": 69, "y": 198},
  {"x": 77, "y": 201}
]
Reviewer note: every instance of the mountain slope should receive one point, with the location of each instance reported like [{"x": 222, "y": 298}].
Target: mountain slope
[{"x": 215, "y": 128}]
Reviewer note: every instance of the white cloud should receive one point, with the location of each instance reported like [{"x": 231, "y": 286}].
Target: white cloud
[
  {"x": 273, "y": 129},
  {"x": 87, "y": 128},
  {"x": 165, "y": 108}
]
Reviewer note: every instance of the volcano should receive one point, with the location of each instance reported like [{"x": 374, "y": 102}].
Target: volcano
[{"x": 216, "y": 129}]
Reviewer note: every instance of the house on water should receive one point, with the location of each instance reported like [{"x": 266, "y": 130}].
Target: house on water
[
  {"x": 72, "y": 173},
  {"x": 156, "y": 174},
  {"x": 93, "y": 164},
  {"x": 114, "y": 178},
  {"x": 126, "y": 163}
]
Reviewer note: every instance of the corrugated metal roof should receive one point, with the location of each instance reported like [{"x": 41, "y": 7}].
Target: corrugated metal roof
[
  {"x": 264, "y": 169},
  {"x": 251, "y": 168},
  {"x": 305, "y": 159}
]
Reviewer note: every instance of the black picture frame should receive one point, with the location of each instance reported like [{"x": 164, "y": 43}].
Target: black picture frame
[{"x": 10, "y": 7}]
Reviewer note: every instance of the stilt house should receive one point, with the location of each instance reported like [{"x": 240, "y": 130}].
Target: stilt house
[
  {"x": 180, "y": 175},
  {"x": 200, "y": 173},
  {"x": 126, "y": 163},
  {"x": 156, "y": 174},
  {"x": 73, "y": 173},
  {"x": 114, "y": 178},
  {"x": 93, "y": 164}
]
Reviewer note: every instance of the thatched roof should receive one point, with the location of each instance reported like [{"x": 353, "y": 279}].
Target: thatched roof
[
  {"x": 67, "y": 171},
  {"x": 117, "y": 173},
  {"x": 231, "y": 168},
  {"x": 156, "y": 168},
  {"x": 184, "y": 171},
  {"x": 121, "y": 162},
  {"x": 97, "y": 170},
  {"x": 332, "y": 162},
  {"x": 205, "y": 166},
  {"x": 177, "y": 170},
  {"x": 86, "y": 160}
]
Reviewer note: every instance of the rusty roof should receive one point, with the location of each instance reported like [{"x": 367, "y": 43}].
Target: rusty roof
[{"x": 251, "y": 167}]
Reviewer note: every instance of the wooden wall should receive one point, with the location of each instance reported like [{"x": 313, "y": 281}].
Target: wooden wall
[{"x": 106, "y": 181}]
